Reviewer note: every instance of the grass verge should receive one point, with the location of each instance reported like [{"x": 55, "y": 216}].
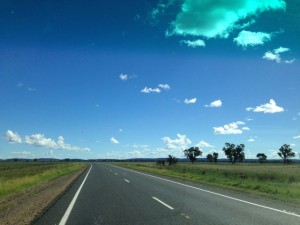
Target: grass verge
[
  {"x": 17, "y": 176},
  {"x": 281, "y": 182}
]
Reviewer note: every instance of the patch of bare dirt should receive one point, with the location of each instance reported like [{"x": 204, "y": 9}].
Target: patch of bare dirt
[{"x": 26, "y": 206}]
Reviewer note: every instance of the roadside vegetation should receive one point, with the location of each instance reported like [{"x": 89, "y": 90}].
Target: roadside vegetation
[
  {"x": 17, "y": 176},
  {"x": 275, "y": 180}
]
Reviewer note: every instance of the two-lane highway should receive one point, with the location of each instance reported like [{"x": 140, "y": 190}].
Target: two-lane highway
[{"x": 107, "y": 194}]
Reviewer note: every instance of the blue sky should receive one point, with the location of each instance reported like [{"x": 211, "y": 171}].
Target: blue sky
[{"x": 114, "y": 79}]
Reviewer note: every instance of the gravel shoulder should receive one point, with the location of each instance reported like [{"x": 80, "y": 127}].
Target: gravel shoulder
[{"x": 26, "y": 206}]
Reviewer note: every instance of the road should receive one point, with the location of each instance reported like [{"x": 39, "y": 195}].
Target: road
[{"x": 111, "y": 195}]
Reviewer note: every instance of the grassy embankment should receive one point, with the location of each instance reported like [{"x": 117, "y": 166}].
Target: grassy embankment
[
  {"x": 277, "y": 181},
  {"x": 16, "y": 176}
]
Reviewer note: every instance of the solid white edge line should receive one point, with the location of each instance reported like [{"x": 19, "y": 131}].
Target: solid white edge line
[
  {"x": 69, "y": 209},
  {"x": 215, "y": 193},
  {"x": 161, "y": 202}
]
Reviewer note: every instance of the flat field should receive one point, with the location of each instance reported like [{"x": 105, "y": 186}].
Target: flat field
[
  {"x": 276, "y": 180},
  {"x": 16, "y": 176}
]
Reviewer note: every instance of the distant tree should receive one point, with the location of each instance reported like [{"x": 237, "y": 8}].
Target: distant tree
[
  {"x": 210, "y": 157},
  {"x": 192, "y": 153},
  {"x": 171, "y": 160},
  {"x": 261, "y": 157},
  {"x": 285, "y": 152},
  {"x": 215, "y": 157},
  {"x": 234, "y": 153}
]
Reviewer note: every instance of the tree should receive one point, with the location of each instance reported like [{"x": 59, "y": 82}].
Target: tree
[
  {"x": 285, "y": 152},
  {"x": 210, "y": 157},
  {"x": 261, "y": 157},
  {"x": 171, "y": 160},
  {"x": 234, "y": 153},
  {"x": 192, "y": 153},
  {"x": 215, "y": 157}
]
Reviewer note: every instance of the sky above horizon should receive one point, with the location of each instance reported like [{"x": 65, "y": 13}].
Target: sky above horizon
[{"x": 126, "y": 79}]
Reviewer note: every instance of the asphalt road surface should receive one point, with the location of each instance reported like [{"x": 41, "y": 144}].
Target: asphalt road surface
[{"x": 111, "y": 195}]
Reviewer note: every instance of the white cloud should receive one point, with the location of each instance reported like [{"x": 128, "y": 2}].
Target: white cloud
[
  {"x": 63, "y": 146},
  {"x": 203, "y": 144},
  {"x": 246, "y": 128},
  {"x": 214, "y": 19},
  {"x": 297, "y": 137},
  {"x": 270, "y": 107},
  {"x": 281, "y": 50},
  {"x": 190, "y": 101},
  {"x": 289, "y": 61},
  {"x": 180, "y": 143},
  {"x": 232, "y": 128},
  {"x": 194, "y": 44},
  {"x": 272, "y": 56},
  {"x": 39, "y": 140},
  {"x": 215, "y": 104},
  {"x": 12, "y": 137},
  {"x": 251, "y": 140},
  {"x": 246, "y": 38},
  {"x": 123, "y": 76},
  {"x": 148, "y": 90},
  {"x": 164, "y": 86},
  {"x": 24, "y": 154},
  {"x": 140, "y": 146},
  {"x": 114, "y": 141},
  {"x": 157, "y": 89},
  {"x": 275, "y": 55}
]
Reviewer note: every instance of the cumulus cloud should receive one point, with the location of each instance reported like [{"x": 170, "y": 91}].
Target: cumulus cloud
[
  {"x": 190, "y": 101},
  {"x": 158, "y": 89},
  {"x": 194, "y": 44},
  {"x": 213, "y": 19},
  {"x": 123, "y": 76},
  {"x": 246, "y": 128},
  {"x": 164, "y": 86},
  {"x": 232, "y": 128},
  {"x": 270, "y": 107},
  {"x": 297, "y": 137},
  {"x": 149, "y": 90},
  {"x": 180, "y": 143},
  {"x": 251, "y": 140},
  {"x": 275, "y": 55},
  {"x": 215, "y": 104},
  {"x": 39, "y": 140},
  {"x": 204, "y": 144},
  {"x": 12, "y": 137},
  {"x": 246, "y": 38},
  {"x": 114, "y": 141}
]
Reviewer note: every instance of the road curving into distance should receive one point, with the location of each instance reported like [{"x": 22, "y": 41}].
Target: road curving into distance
[{"x": 112, "y": 195}]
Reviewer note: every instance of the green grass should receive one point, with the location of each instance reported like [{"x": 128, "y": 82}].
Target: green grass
[
  {"x": 273, "y": 180},
  {"x": 16, "y": 176}
]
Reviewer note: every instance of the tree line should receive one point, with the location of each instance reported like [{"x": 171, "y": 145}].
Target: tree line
[{"x": 234, "y": 153}]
